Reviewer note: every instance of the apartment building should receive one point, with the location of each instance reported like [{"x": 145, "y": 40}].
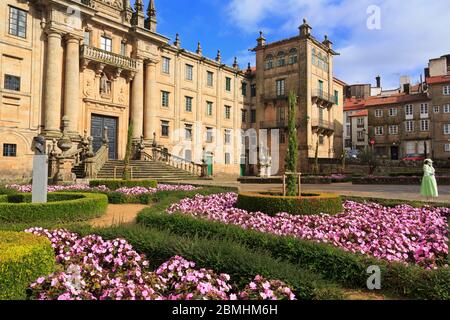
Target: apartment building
[{"x": 304, "y": 65}]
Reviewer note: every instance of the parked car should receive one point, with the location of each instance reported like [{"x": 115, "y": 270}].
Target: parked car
[{"x": 414, "y": 158}]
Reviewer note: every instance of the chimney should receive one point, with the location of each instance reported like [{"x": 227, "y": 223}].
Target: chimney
[
  {"x": 378, "y": 78},
  {"x": 305, "y": 29}
]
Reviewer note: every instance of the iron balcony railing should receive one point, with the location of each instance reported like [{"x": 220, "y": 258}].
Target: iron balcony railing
[
  {"x": 318, "y": 93},
  {"x": 109, "y": 58}
]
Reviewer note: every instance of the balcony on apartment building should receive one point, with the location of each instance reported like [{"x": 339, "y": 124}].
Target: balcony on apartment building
[
  {"x": 321, "y": 126},
  {"x": 323, "y": 98},
  {"x": 104, "y": 58},
  {"x": 276, "y": 124}
]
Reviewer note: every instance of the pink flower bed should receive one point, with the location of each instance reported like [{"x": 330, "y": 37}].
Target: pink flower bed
[
  {"x": 128, "y": 191},
  {"x": 403, "y": 234},
  {"x": 95, "y": 269}
]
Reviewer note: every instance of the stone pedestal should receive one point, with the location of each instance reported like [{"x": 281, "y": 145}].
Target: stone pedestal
[
  {"x": 40, "y": 179},
  {"x": 65, "y": 173}
]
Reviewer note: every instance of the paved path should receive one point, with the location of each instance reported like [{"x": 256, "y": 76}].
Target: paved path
[
  {"x": 118, "y": 214},
  {"x": 404, "y": 192}
]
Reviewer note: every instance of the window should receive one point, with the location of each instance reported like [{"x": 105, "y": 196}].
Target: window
[
  {"x": 320, "y": 60},
  {"x": 424, "y": 125},
  {"x": 253, "y": 116},
  {"x": 209, "y": 135},
  {"x": 188, "y": 155},
  {"x": 409, "y": 110},
  {"x": 244, "y": 89},
  {"x": 424, "y": 109},
  {"x": 446, "y": 90},
  {"x": 227, "y": 158},
  {"x": 228, "y": 84},
  {"x": 393, "y": 112},
  {"x": 447, "y": 147},
  {"x": 379, "y": 131},
  {"x": 378, "y": 113},
  {"x": 106, "y": 44},
  {"x": 393, "y": 130},
  {"x": 253, "y": 90},
  {"x": 447, "y": 108},
  {"x": 349, "y": 130},
  {"x": 12, "y": 82},
  {"x": 227, "y": 136},
  {"x": 227, "y": 112},
  {"x": 209, "y": 108},
  {"x": 336, "y": 97},
  {"x": 447, "y": 128},
  {"x": 282, "y": 137},
  {"x": 436, "y": 109},
  {"x": 280, "y": 88},
  {"x": 188, "y": 131},
  {"x": 209, "y": 78},
  {"x": 244, "y": 116},
  {"x": 17, "y": 22},
  {"x": 165, "y": 98},
  {"x": 281, "y": 114},
  {"x": 166, "y": 65},
  {"x": 321, "y": 139},
  {"x": 269, "y": 62},
  {"x": 87, "y": 38},
  {"x": 320, "y": 115},
  {"x": 188, "y": 104},
  {"x": 189, "y": 72},
  {"x": 360, "y": 136},
  {"x": 293, "y": 56},
  {"x": 409, "y": 126},
  {"x": 165, "y": 128},
  {"x": 9, "y": 150},
  {"x": 105, "y": 85},
  {"x": 281, "y": 61},
  {"x": 360, "y": 121}
]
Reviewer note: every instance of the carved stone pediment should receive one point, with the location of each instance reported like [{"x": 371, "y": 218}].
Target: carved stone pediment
[{"x": 118, "y": 4}]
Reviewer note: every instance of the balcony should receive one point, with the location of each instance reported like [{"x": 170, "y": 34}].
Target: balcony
[
  {"x": 277, "y": 124},
  {"x": 323, "y": 98},
  {"x": 322, "y": 127},
  {"x": 102, "y": 58}
]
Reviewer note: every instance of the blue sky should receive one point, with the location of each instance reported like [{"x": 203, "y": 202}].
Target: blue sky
[{"x": 410, "y": 33}]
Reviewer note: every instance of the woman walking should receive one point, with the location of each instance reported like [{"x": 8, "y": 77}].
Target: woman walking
[{"x": 429, "y": 186}]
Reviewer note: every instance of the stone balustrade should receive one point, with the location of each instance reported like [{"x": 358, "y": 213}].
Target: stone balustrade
[{"x": 116, "y": 60}]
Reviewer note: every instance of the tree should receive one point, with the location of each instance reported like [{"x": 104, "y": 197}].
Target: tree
[
  {"x": 292, "y": 152},
  {"x": 316, "y": 159},
  {"x": 368, "y": 157},
  {"x": 126, "y": 170}
]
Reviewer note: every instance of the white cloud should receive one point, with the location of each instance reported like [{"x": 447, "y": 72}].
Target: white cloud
[{"x": 411, "y": 32}]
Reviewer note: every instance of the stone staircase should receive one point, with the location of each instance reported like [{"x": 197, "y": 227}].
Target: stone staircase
[{"x": 145, "y": 170}]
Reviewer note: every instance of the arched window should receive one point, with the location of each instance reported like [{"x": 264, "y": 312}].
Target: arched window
[
  {"x": 105, "y": 85},
  {"x": 269, "y": 62},
  {"x": 281, "y": 59},
  {"x": 293, "y": 56}
]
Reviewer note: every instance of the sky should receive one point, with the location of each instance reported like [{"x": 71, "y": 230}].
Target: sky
[{"x": 390, "y": 38}]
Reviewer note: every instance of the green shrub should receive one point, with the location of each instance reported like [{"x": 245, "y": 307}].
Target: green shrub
[
  {"x": 62, "y": 207},
  {"x": 306, "y": 205},
  {"x": 23, "y": 258},
  {"x": 223, "y": 256},
  {"x": 117, "y": 184},
  {"x": 334, "y": 264}
]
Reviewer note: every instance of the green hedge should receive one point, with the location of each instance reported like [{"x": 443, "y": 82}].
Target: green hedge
[
  {"x": 306, "y": 205},
  {"x": 23, "y": 258},
  {"x": 396, "y": 202},
  {"x": 117, "y": 184},
  {"x": 62, "y": 207},
  {"x": 223, "y": 256},
  {"x": 335, "y": 264}
]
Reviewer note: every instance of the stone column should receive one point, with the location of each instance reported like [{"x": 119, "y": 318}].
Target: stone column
[
  {"x": 137, "y": 103},
  {"x": 53, "y": 79},
  {"x": 72, "y": 83},
  {"x": 151, "y": 100}
]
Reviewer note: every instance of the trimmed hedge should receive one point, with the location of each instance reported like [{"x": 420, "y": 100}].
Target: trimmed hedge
[
  {"x": 62, "y": 207},
  {"x": 333, "y": 263},
  {"x": 306, "y": 205},
  {"x": 396, "y": 202},
  {"x": 397, "y": 180},
  {"x": 23, "y": 258},
  {"x": 117, "y": 184},
  {"x": 222, "y": 256}
]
